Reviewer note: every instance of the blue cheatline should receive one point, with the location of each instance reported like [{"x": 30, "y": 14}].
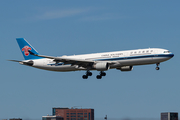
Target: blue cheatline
[{"x": 135, "y": 57}]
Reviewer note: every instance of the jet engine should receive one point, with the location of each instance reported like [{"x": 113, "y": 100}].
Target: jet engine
[
  {"x": 102, "y": 66},
  {"x": 126, "y": 68}
]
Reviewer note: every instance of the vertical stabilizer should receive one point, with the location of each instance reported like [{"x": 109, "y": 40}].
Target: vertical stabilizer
[{"x": 25, "y": 47}]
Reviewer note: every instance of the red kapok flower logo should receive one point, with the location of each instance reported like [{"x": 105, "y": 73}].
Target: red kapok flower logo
[{"x": 25, "y": 49}]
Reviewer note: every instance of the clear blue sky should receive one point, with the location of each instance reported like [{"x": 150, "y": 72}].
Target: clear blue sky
[{"x": 77, "y": 27}]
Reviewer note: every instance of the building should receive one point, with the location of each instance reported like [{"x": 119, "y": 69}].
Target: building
[
  {"x": 15, "y": 119},
  {"x": 52, "y": 118},
  {"x": 74, "y": 114},
  {"x": 169, "y": 116}
]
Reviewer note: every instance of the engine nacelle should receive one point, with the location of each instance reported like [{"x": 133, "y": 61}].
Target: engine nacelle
[
  {"x": 126, "y": 68},
  {"x": 102, "y": 66}
]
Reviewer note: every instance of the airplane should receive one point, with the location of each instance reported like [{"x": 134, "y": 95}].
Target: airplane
[{"x": 120, "y": 60}]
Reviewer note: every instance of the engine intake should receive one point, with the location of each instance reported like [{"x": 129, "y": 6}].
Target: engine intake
[
  {"x": 126, "y": 68},
  {"x": 102, "y": 66}
]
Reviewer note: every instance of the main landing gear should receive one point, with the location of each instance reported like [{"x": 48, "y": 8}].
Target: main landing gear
[
  {"x": 157, "y": 68},
  {"x": 101, "y": 74},
  {"x": 88, "y": 73}
]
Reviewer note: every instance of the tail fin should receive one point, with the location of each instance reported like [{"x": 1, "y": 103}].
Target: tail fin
[{"x": 25, "y": 47}]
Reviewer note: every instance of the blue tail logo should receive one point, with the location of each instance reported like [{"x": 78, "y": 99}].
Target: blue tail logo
[{"x": 25, "y": 47}]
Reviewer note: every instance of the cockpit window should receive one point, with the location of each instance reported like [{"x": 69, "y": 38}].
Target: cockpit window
[{"x": 167, "y": 52}]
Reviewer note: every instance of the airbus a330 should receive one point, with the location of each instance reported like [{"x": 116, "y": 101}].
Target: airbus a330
[{"x": 120, "y": 60}]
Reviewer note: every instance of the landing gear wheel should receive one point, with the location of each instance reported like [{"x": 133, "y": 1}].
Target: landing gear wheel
[
  {"x": 98, "y": 76},
  {"x": 84, "y": 76},
  {"x": 103, "y": 74},
  {"x": 157, "y": 68},
  {"x": 89, "y": 73}
]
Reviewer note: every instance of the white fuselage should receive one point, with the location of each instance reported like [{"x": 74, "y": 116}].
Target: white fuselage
[{"x": 120, "y": 58}]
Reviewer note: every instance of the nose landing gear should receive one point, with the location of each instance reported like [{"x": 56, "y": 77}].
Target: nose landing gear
[{"x": 157, "y": 68}]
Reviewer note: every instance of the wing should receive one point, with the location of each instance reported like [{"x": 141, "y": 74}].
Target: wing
[
  {"x": 73, "y": 61},
  {"x": 66, "y": 60}
]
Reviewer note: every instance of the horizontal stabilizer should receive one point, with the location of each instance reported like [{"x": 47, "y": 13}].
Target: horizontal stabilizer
[
  {"x": 14, "y": 60},
  {"x": 30, "y": 62}
]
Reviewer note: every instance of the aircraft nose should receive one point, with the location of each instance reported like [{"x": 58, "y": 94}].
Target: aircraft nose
[{"x": 171, "y": 55}]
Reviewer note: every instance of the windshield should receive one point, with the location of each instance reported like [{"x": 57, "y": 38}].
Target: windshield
[{"x": 167, "y": 52}]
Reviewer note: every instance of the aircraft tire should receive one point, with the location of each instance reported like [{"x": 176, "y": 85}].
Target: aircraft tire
[
  {"x": 98, "y": 76},
  {"x": 103, "y": 74},
  {"x": 84, "y": 76},
  {"x": 89, "y": 73},
  {"x": 157, "y": 68}
]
